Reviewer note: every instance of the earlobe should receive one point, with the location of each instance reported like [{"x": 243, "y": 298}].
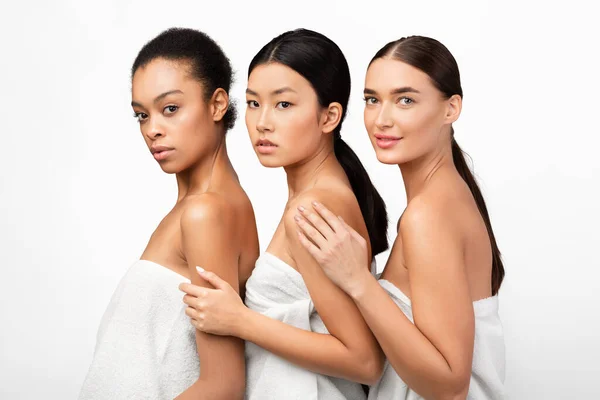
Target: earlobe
[
  {"x": 333, "y": 117},
  {"x": 454, "y": 108},
  {"x": 219, "y": 103}
]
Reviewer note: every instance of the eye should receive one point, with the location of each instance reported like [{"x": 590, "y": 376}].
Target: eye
[
  {"x": 170, "y": 109},
  {"x": 370, "y": 100},
  {"x": 405, "y": 101},
  {"x": 252, "y": 103},
  {"x": 283, "y": 105},
  {"x": 140, "y": 116}
]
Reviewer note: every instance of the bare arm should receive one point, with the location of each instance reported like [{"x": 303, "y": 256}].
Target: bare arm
[
  {"x": 350, "y": 350},
  {"x": 434, "y": 355},
  {"x": 208, "y": 237}
]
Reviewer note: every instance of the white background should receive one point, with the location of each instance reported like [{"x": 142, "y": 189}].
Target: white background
[{"x": 80, "y": 194}]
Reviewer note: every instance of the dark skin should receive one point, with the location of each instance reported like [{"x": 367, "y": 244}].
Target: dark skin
[{"x": 212, "y": 223}]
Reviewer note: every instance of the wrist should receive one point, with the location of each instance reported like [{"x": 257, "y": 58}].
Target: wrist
[
  {"x": 361, "y": 286},
  {"x": 244, "y": 326}
]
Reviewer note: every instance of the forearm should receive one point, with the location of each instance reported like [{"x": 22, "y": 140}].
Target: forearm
[
  {"x": 317, "y": 352},
  {"x": 212, "y": 389},
  {"x": 414, "y": 358}
]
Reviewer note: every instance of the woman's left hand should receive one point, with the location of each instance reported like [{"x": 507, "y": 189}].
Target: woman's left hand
[
  {"x": 217, "y": 311},
  {"x": 339, "y": 249}
]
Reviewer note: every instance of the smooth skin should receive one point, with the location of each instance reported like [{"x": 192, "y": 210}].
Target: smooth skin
[
  {"x": 283, "y": 109},
  {"x": 442, "y": 257},
  {"x": 212, "y": 223}
]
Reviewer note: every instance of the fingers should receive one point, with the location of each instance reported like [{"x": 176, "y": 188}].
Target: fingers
[
  {"x": 354, "y": 234},
  {"x": 309, "y": 246},
  {"x": 310, "y": 232},
  {"x": 315, "y": 219},
  {"x": 213, "y": 279},
  {"x": 192, "y": 290},
  {"x": 196, "y": 318},
  {"x": 193, "y": 301},
  {"x": 328, "y": 216}
]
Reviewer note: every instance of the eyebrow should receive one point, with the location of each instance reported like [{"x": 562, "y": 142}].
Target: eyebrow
[
  {"x": 158, "y": 98},
  {"x": 274, "y": 92},
  {"x": 400, "y": 90}
]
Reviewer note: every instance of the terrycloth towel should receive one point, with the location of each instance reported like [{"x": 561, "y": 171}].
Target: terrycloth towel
[
  {"x": 277, "y": 290},
  {"x": 146, "y": 347},
  {"x": 487, "y": 374}
]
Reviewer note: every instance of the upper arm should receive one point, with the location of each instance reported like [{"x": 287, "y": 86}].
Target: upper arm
[
  {"x": 208, "y": 238},
  {"x": 441, "y": 302},
  {"x": 337, "y": 310}
]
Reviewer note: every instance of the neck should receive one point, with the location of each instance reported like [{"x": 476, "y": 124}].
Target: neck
[
  {"x": 303, "y": 175},
  {"x": 198, "y": 178},
  {"x": 417, "y": 173}
]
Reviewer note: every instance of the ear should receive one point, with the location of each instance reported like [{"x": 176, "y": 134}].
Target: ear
[
  {"x": 332, "y": 117},
  {"x": 454, "y": 108},
  {"x": 219, "y": 102}
]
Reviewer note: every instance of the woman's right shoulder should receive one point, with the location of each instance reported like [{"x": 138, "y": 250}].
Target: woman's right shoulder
[{"x": 429, "y": 213}]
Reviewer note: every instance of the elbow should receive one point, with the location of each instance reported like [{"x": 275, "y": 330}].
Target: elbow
[
  {"x": 457, "y": 390},
  {"x": 370, "y": 369}
]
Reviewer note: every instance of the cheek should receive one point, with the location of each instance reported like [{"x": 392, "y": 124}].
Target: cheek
[
  {"x": 298, "y": 132},
  {"x": 250, "y": 118},
  {"x": 370, "y": 116}
]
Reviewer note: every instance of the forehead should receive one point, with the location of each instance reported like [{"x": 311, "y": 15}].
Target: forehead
[
  {"x": 160, "y": 76},
  {"x": 267, "y": 78},
  {"x": 385, "y": 73}
]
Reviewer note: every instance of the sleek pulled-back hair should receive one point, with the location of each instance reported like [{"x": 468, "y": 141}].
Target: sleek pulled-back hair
[
  {"x": 433, "y": 58},
  {"x": 321, "y": 62},
  {"x": 206, "y": 61}
]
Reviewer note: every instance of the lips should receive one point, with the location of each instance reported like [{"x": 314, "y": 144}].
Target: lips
[
  {"x": 386, "y": 141},
  {"x": 161, "y": 152},
  {"x": 264, "y": 146},
  {"x": 265, "y": 142}
]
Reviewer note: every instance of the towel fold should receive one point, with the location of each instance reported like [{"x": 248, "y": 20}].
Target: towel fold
[
  {"x": 146, "y": 346},
  {"x": 277, "y": 290},
  {"x": 487, "y": 374}
]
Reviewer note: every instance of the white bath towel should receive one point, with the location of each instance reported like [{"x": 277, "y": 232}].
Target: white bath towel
[
  {"x": 487, "y": 373},
  {"x": 146, "y": 347},
  {"x": 277, "y": 290}
]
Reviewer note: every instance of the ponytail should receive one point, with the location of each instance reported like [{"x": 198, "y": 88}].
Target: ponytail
[
  {"x": 371, "y": 204},
  {"x": 464, "y": 171}
]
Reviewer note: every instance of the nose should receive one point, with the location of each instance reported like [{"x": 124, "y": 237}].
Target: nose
[
  {"x": 384, "y": 118},
  {"x": 264, "y": 123},
  {"x": 154, "y": 129}
]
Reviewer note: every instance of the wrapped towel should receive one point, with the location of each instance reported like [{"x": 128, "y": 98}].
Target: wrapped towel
[
  {"x": 146, "y": 347},
  {"x": 277, "y": 290},
  {"x": 487, "y": 376}
]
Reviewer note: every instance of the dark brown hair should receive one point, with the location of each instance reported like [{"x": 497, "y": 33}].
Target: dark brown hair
[{"x": 433, "y": 58}]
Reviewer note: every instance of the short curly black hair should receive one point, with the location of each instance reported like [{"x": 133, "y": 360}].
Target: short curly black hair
[{"x": 208, "y": 63}]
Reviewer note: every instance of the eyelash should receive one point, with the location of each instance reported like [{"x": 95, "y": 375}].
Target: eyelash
[
  {"x": 140, "y": 116},
  {"x": 410, "y": 101},
  {"x": 254, "y": 104}
]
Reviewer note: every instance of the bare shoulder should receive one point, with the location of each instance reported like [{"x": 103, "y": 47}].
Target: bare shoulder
[
  {"x": 340, "y": 202},
  {"x": 428, "y": 216},
  {"x": 207, "y": 209}
]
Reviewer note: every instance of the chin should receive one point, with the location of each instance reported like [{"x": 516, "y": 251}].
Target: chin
[
  {"x": 270, "y": 163},
  {"x": 170, "y": 168},
  {"x": 389, "y": 158}
]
